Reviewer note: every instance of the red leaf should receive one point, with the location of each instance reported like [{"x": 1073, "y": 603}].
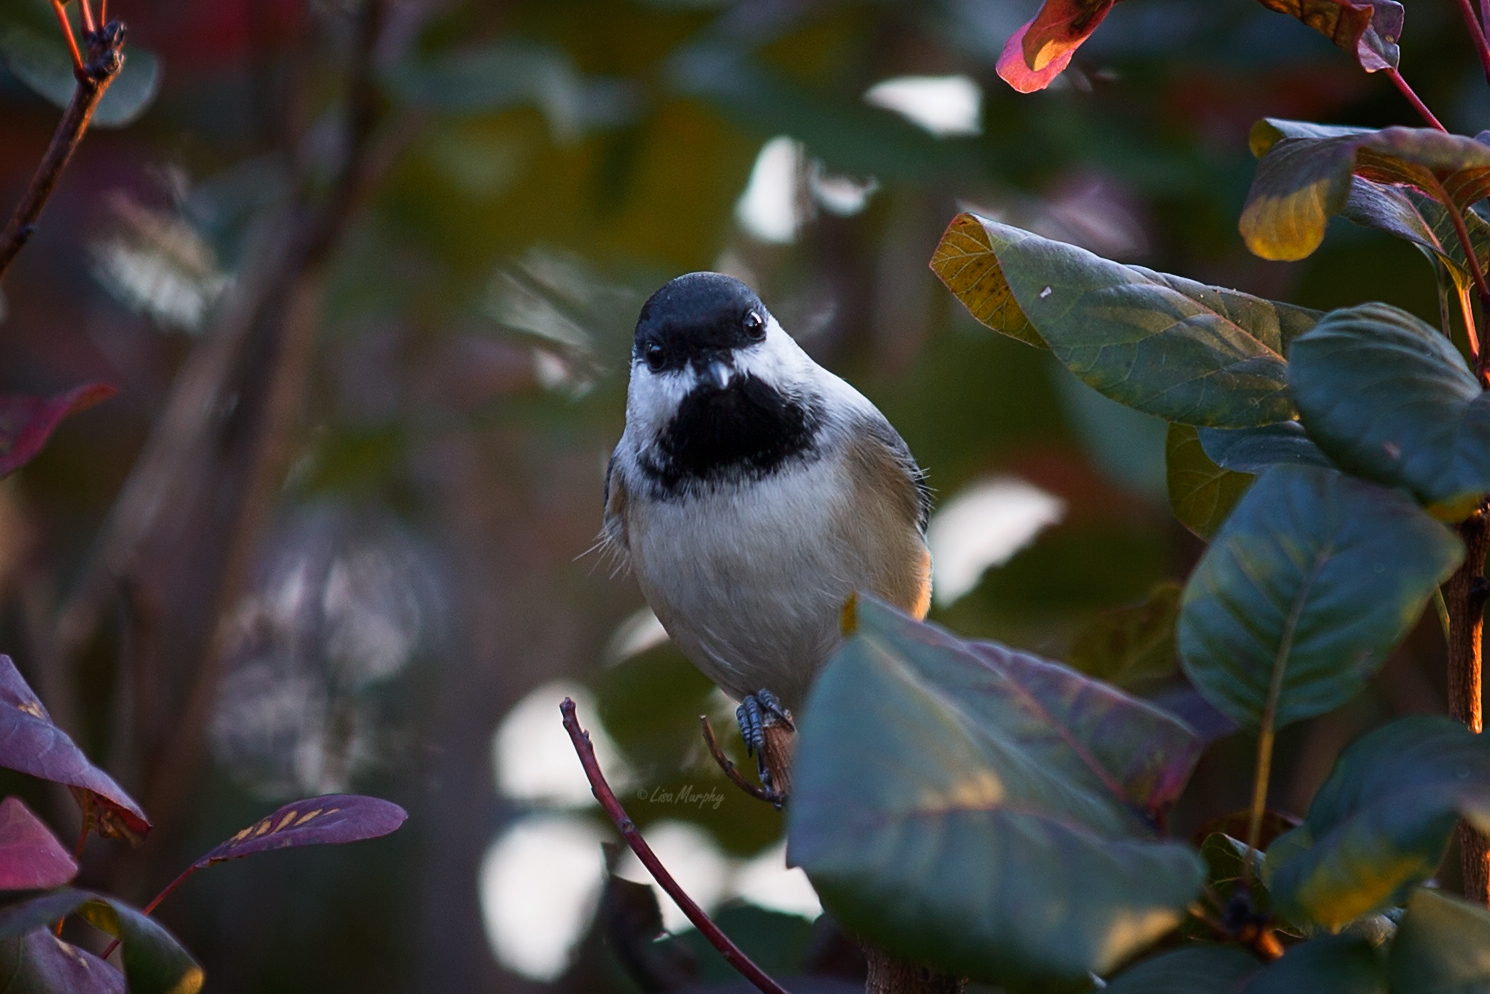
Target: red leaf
[
  {"x": 1041, "y": 50},
  {"x": 37, "y": 961},
  {"x": 329, "y": 819},
  {"x": 30, "y": 743},
  {"x": 1368, "y": 29},
  {"x": 31, "y": 858},
  {"x": 27, "y": 422}
]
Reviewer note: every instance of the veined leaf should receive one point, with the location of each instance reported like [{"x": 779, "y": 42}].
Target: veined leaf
[
  {"x": 1201, "y": 494},
  {"x": 978, "y": 809},
  {"x": 1389, "y": 398},
  {"x": 1171, "y": 347},
  {"x": 1041, "y": 49},
  {"x": 1367, "y": 29},
  {"x": 1311, "y": 581},
  {"x": 1443, "y": 945},
  {"x": 1417, "y": 218},
  {"x": 1381, "y": 823},
  {"x": 1305, "y": 175}
]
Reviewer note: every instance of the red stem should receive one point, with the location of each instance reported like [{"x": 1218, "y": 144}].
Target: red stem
[
  {"x": 607, "y": 798},
  {"x": 1412, "y": 98},
  {"x": 155, "y": 901},
  {"x": 1476, "y": 34},
  {"x": 77, "y": 857},
  {"x": 88, "y": 26},
  {"x": 72, "y": 43}
]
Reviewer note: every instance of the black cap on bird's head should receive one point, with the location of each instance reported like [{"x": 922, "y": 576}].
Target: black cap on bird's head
[{"x": 699, "y": 320}]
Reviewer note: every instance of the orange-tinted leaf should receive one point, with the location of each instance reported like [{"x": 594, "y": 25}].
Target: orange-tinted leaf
[
  {"x": 1040, "y": 50},
  {"x": 31, "y": 858},
  {"x": 27, "y": 422},
  {"x": 30, "y": 743},
  {"x": 1306, "y": 171},
  {"x": 1368, "y": 29},
  {"x": 329, "y": 819}
]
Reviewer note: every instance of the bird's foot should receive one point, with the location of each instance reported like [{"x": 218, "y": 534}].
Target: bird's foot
[{"x": 755, "y": 713}]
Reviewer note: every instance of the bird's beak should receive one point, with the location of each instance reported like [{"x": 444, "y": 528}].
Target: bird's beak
[{"x": 717, "y": 373}]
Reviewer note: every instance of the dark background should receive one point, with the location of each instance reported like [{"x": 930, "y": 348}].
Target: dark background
[{"x": 346, "y": 565}]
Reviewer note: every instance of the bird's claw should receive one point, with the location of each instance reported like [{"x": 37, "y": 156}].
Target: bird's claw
[{"x": 755, "y": 712}]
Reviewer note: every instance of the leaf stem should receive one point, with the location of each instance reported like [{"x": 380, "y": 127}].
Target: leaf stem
[
  {"x": 1413, "y": 98},
  {"x": 1266, "y": 730},
  {"x": 155, "y": 901},
  {"x": 72, "y": 43},
  {"x": 1471, "y": 260},
  {"x": 1476, "y": 35},
  {"x": 607, "y": 798},
  {"x": 105, "y": 59}
]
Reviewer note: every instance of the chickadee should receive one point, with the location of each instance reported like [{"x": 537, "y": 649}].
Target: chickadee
[{"x": 753, "y": 492}]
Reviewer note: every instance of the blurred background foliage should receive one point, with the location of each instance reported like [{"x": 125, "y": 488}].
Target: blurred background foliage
[{"x": 392, "y": 591}]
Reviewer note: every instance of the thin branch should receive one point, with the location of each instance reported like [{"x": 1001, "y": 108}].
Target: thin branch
[
  {"x": 729, "y": 768},
  {"x": 105, "y": 59},
  {"x": 1414, "y": 99},
  {"x": 155, "y": 901},
  {"x": 607, "y": 798},
  {"x": 1472, "y": 261},
  {"x": 1476, "y": 35},
  {"x": 89, "y": 26},
  {"x": 72, "y": 43}
]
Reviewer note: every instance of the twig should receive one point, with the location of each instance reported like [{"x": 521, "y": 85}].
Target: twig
[
  {"x": 607, "y": 798},
  {"x": 1477, "y": 35},
  {"x": 155, "y": 901},
  {"x": 730, "y": 771},
  {"x": 1413, "y": 98},
  {"x": 1464, "y": 594},
  {"x": 105, "y": 59}
]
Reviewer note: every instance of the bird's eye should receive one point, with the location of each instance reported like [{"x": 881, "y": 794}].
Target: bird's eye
[
  {"x": 655, "y": 356},
  {"x": 755, "y": 326}
]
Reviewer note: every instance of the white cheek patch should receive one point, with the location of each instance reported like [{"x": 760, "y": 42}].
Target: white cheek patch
[
  {"x": 779, "y": 360},
  {"x": 653, "y": 398}
]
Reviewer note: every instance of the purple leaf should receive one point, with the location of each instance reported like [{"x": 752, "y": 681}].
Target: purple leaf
[
  {"x": 37, "y": 961},
  {"x": 30, "y": 743},
  {"x": 315, "y": 821},
  {"x": 31, "y": 858},
  {"x": 27, "y": 422}
]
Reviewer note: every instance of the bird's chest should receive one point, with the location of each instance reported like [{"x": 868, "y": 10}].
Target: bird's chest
[{"x": 759, "y": 538}]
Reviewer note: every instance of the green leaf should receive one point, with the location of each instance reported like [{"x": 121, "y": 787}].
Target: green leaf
[
  {"x": 1253, "y": 450},
  {"x": 1311, "y": 581},
  {"x": 1168, "y": 346},
  {"x": 1367, "y": 29},
  {"x": 1389, "y": 398},
  {"x": 1332, "y": 964},
  {"x": 978, "y": 809},
  {"x": 1442, "y": 947},
  {"x": 1381, "y": 823},
  {"x": 1305, "y": 175},
  {"x": 1423, "y": 221},
  {"x": 154, "y": 962},
  {"x": 1201, "y": 494},
  {"x": 1193, "y": 970},
  {"x": 43, "y": 64},
  {"x": 1134, "y": 645}
]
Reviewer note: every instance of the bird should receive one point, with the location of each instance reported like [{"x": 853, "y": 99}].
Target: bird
[{"x": 753, "y": 493}]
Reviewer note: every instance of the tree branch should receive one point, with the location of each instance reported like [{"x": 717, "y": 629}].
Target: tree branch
[
  {"x": 607, "y": 798},
  {"x": 105, "y": 59},
  {"x": 1464, "y": 593}
]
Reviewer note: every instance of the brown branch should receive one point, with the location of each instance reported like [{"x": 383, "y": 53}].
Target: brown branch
[
  {"x": 729, "y": 768},
  {"x": 1464, "y": 594},
  {"x": 607, "y": 798},
  {"x": 105, "y": 59}
]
